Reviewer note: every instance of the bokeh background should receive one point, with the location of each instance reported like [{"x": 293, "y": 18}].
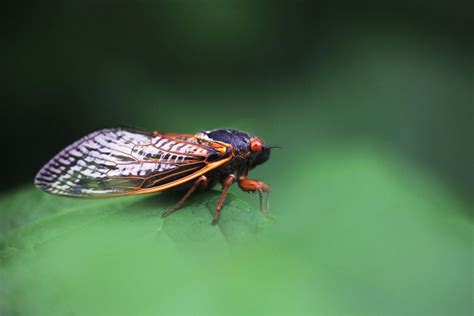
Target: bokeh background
[{"x": 371, "y": 103}]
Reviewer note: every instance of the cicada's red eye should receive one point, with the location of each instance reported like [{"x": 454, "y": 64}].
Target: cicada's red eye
[{"x": 256, "y": 145}]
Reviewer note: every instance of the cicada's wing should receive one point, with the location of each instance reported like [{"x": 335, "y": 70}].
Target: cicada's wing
[{"x": 123, "y": 161}]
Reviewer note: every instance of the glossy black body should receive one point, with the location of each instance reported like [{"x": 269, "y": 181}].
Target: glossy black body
[{"x": 243, "y": 161}]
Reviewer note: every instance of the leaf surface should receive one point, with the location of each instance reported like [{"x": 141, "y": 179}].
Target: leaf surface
[{"x": 31, "y": 218}]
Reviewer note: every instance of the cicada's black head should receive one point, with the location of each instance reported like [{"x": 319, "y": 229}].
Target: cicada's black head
[{"x": 249, "y": 149}]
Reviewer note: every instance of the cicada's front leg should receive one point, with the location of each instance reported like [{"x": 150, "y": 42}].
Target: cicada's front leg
[{"x": 248, "y": 185}]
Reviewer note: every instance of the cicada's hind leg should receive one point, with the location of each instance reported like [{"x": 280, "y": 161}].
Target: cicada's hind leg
[
  {"x": 226, "y": 184},
  {"x": 260, "y": 187},
  {"x": 201, "y": 183}
]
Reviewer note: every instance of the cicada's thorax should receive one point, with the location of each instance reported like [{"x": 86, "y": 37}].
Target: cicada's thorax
[
  {"x": 243, "y": 159},
  {"x": 234, "y": 166}
]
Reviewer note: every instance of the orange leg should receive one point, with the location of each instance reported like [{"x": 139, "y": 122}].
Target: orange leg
[
  {"x": 201, "y": 182},
  {"x": 248, "y": 185},
  {"x": 228, "y": 181}
]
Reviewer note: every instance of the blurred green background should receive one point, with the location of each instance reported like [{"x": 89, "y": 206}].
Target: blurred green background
[{"x": 371, "y": 194}]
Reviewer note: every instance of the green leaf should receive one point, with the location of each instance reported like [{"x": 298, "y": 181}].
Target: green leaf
[
  {"x": 31, "y": 218},
  {"x": 360, "y": 231}
]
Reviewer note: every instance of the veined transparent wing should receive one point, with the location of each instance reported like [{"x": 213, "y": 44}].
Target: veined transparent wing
[{"x": 123, "y": 161}]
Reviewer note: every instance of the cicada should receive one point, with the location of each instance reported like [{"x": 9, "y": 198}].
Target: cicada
[{"x": 127, "y": 161}]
